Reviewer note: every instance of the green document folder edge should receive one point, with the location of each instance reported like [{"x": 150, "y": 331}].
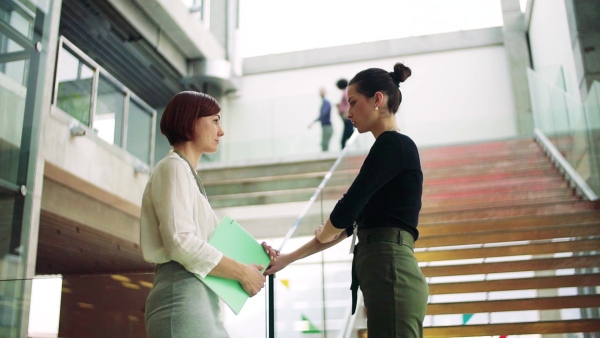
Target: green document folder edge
[{"x": 236, "y": 243}]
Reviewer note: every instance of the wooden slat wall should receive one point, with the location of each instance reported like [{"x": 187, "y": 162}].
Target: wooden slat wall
[
  {"x": 545, "y": 327},
  {"x": 552, "y": 282}
]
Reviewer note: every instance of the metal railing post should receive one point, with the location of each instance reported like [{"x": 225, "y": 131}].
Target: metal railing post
[{"x": 271, "y": 321}]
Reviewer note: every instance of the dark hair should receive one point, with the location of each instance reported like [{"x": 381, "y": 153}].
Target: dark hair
[
  {"x": 342, "y": 83},
  {"x": 372, "y": 80},
  {"x": 180, "y": 114}
]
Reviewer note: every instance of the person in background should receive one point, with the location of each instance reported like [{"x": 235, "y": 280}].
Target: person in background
[
  {"x": 325, "y": 119},
  {"x": 382, "y": 208},
  {"x": 176, "y": 223},
  {"x": 343, "y": 107}
]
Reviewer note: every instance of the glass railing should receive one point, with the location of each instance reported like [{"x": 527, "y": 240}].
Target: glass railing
[
  {"x": 16, "y": 47},
  {"x": 592, "y": 113},
  {"x": 89, "y": 94},
  {"x": 571, "y": 125}
]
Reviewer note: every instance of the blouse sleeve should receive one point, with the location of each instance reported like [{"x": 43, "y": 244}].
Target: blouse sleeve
[
  {"x": 173, "y": 198},
  {"x": 383, "y": 163}
]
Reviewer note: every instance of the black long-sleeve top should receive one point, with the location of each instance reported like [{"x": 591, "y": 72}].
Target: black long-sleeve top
[{"x": 387, "y": 191}]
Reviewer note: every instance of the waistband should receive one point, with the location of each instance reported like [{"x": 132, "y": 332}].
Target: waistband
[{"x": 394, "y": 235}]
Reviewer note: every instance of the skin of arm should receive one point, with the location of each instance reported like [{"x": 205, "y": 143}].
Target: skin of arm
[
  {"x": 327, "y": 232},
  {"x": 311, "y": 247},
  {"x": 249, "y": 276}
]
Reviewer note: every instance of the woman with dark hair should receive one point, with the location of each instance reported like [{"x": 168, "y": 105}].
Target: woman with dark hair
[
  {"x": 177, "y": 222},
  {"x": 343, "y": 107},
  {"x": 382, "y": 208}
]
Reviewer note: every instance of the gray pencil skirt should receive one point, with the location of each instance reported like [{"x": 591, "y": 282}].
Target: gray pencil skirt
[{"x": 181, "y": 306}]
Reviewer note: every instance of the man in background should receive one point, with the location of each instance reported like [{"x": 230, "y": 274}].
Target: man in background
[{"x": 325, "y": 119}]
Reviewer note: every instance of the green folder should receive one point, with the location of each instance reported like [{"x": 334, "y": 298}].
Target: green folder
[{"x": 236, "y": 243}]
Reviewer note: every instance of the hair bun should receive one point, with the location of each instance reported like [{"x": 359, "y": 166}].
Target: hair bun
[{"x": 400, "y": 73}]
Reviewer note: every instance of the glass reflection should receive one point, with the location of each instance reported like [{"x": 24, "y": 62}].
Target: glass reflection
[
  {"x": 74, "y": 91},
  {"x": 108, "y": 119},
  {"x": 139, "y": 131}
]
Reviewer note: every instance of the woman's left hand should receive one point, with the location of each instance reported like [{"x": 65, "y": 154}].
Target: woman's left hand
[{"x": 273, "y": 254}]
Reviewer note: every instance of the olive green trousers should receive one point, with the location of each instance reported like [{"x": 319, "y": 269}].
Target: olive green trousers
[{"x": 394, "y": 289}]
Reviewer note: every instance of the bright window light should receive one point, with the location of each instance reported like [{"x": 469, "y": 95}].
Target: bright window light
[{"x": 44, "y": 314}]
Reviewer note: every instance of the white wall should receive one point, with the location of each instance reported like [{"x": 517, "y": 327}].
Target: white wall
[
  {"x": 551, "y": 45},
  {"x": 453, "y": 96}
]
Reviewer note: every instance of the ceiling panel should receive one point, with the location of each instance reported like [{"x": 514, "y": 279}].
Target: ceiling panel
[{"x": 103, "y": 34}]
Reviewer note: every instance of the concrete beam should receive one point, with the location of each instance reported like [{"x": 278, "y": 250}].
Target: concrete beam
[
  {"x": 517, "y": 52},
  {"x": 68, "y": 203},
  {"x": 373, "y": 50},
  {"x": 152, "y": 33},
  {"x": 67, "y": 179},
  {"x": 185, "y": 30},
  {"x": 175, "y": 33}
]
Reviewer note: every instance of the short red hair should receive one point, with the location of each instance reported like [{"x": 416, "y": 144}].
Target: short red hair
[{"x": 180, "y": 114}]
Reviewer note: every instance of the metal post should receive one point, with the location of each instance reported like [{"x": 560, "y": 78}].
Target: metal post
[{"x": 271, "y": 320}]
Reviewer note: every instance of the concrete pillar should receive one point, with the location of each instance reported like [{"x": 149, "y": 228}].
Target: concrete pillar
[{"x": 517, "y": 52}]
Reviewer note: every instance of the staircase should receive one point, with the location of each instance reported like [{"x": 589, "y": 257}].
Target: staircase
[
  {"x": 267, "y": 183},
  {"x": 506, "y": 246}
]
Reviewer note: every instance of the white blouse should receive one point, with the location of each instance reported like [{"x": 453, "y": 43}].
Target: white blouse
[{"x": 177, "y": 219}]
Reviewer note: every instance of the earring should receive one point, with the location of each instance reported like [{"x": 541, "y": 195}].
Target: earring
[{"x": 376, "y": 108}]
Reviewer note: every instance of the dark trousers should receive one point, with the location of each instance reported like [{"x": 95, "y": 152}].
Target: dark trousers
[
  {"x": 348, "y": 131},
  {"x": 394, "y": 288}
]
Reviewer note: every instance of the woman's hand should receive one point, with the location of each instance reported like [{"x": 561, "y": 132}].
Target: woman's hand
[
  {"x": 283, "y": 261},
  {"x": 273, "y": 254},
  {"x": 253, "y": 280}
]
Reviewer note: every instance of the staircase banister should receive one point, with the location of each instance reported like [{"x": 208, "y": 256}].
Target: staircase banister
[
  {"x": 314, "y": 196},
  {"x": 290, "y": 233}
]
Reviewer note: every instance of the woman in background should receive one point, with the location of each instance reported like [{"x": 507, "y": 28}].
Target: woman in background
[
  {"x": 343, "y": 107},
  {"x": 383, "y": 204}
]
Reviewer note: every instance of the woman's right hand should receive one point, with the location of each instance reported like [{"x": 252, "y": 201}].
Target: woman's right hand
[
  {"x": 253, "y": 280},
  {"x": 282, "y": 261}
]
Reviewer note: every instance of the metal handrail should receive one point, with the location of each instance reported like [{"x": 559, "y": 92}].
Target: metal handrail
[
  {"x": 318, "y": 191},
  {"x": 271, "y": 293}
]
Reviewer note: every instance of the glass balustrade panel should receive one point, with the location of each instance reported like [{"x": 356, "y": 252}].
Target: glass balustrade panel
[
  {"x": 139, "y": 131},
  {"x": 108, "y": 119},
  {"x": 74, "y": 86}
]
